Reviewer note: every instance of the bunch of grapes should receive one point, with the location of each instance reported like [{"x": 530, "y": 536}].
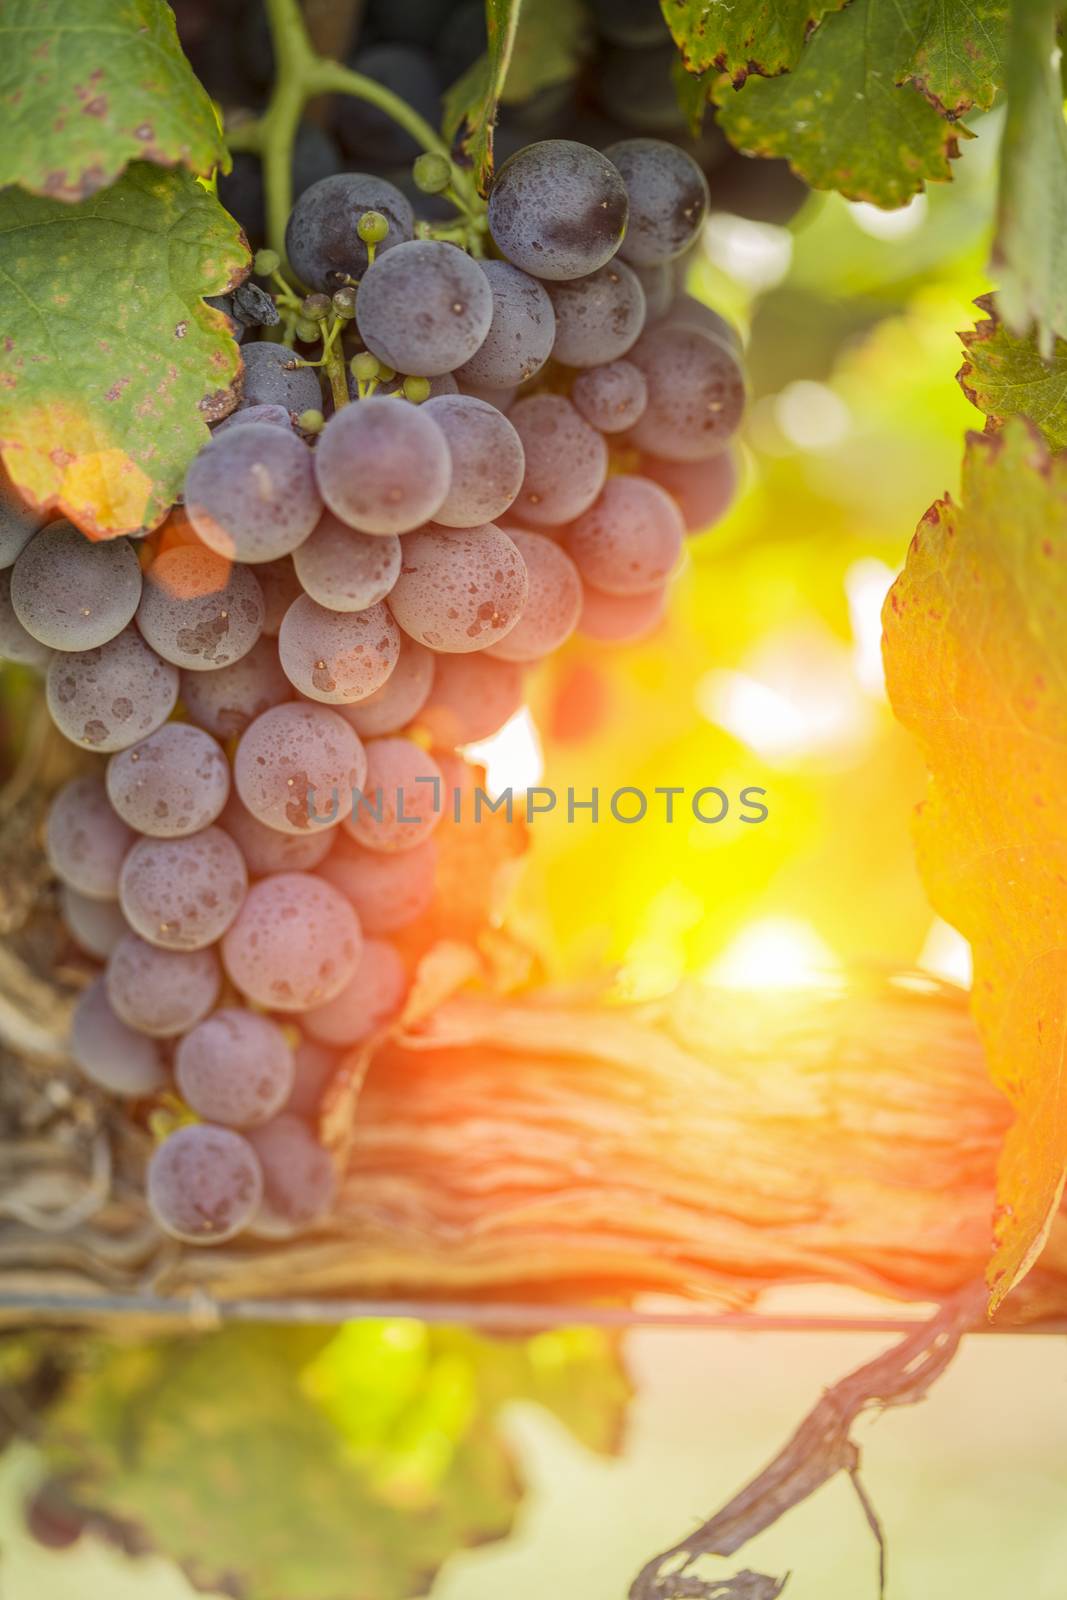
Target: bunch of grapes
[{"x": 271, "y": 688}]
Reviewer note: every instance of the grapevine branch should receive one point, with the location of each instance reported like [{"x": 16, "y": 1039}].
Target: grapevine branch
[
  {"x": 301, "y": 74},
  {"x": 820, "y": 1448}
]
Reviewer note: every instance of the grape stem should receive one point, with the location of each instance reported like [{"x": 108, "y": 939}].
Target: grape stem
[
  {"x": 332, "y": 361},
  {"x": 301, "y": 74}
]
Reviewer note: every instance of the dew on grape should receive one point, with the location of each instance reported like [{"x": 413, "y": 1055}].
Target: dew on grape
[
  {"x": 296, "y": 767},
  {"x": 107, "y": 698},
  {"x": 173, "y": 783},
  {"x": 204, "y": 1184},
  {"x": 459, "y": 589},
  {"x": 199, "y": 610},
  {"x": 295, "y": 944},
  {"x": 71, "y": 592},
  {"x": 235, "y": 1068},
  {"x": 182, "y": 894}
]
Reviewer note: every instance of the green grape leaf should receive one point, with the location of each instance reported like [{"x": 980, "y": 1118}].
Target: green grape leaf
[
  {"x": 310, "y": 1464},
  {"x": 956, "y": 53},
  {"x": 1004, "y": 376},
  {"x": 1030, "y": 249},
  {"x": 551, "y": 39},
  {"x": 470, "y": 105},
  {"x": 840, "y": 117},
  {"x": 765, "y": 37},
  {"x": 976, "y": 667},
  {"x": 111, "y": 359},
  {"x": 87, "y": 88}
]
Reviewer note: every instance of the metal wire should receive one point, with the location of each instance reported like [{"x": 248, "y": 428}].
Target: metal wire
[{"x": 509, "y": 1316}]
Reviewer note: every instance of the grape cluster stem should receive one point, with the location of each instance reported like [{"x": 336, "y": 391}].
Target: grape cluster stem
[{"x": 301, "y": 74}]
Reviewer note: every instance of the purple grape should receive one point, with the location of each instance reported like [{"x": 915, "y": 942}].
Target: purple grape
[
  {"x": 108, "y": 698},
  {"x": 182, "y": 894},
  {"x": 657, "y": 281},
  {"x": 161, "y": 992},
  {"x": 18, "y": 522},
  {"x": 321, "y": 238},
  {"x": 235, "y": 1067},
  {"x": 383, "y": 466},
  {"x": 296, "y": 768},
  {"x": 204, "y": 1184},
  {"x": 612, "y": 398},
  {"x": 487, "y": 461},
  {"x": 566, "y": 460},
  {"x": 295, "y": 944},
  {"x": 272, "y": 378},
  {"x": 375, "y": 994},
  {"x": 75, "y": 593},
  {"x": 668, "y": 197},
  {"x": 96, "y": 926},
  {"x": 266, "y": 849},
  {"x": 553, "y": 605},
  {"x": 344, "y": 570},
  {"x": 111, "y": 1054},
  {"x": 280, "y": 586},
  {"x": 200, "y": 610},
  {"x": 401, "y": 800},
  {"x": 688, "y": 312},
  {"x": 630, "y": 540},
  {"x": 472, "y": 698},
  {"x": 225, "y": 702},
  {"x": 598, "y": 318},
  {"x": 702, "y": 490},
  {"x": 369, "y": 134},
  {"x": 620, "y": 619},
  {"x": 174, "y": 782},
  {"x": 558, "y": 209},
  {"x": 521, "y": 332},
  {"x": 85, "y": 840},
  {"x": 299, "y": 1178},
  {"x": 251, "y": 495},
  {"x": 696, "y": 393},
  {"x": 459, "y": 589},
  {"x": 277, "y": 416},
  {"x": 337, "y": 657},
  {"x": 424, "y": 307},
  {"x": 388, "y": 892},
  {"x": 15, "y": 643},
  {"x": 313, "y": 1067}
]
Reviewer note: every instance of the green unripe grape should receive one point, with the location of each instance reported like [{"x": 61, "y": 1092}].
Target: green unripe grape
[
  {"x": 364, "y": 367},
  {"x": 387, "y": 374},
  {"x": 372, "y": 227},
  {"x": 344, "y": 304},
  {"x": 316, "y": 307},
  {"x": 432, "y": 173},
  {"x": 307, "y": 331},
  {"x": 416, "y": 390},
  {"x": 265, "y": 262},
  {"x": 311, "y": 421}
]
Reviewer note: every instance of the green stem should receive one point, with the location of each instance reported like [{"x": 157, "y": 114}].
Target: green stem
[
  {"x": 335, "y": 371},
  {"x": 329, "y": 78},
  {"x": 294, "y": 60}
]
